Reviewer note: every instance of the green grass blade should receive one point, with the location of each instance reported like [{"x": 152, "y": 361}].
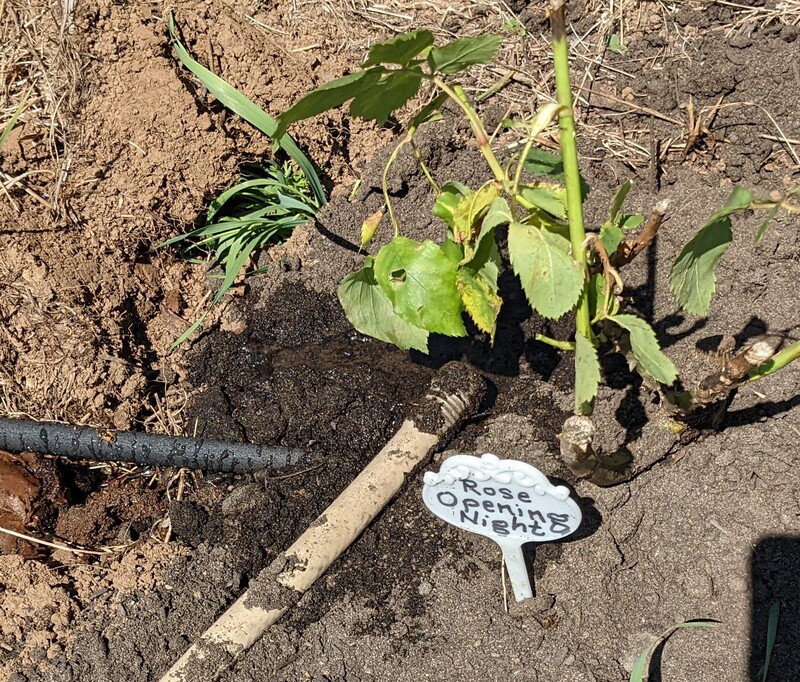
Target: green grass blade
[
  {"x": 15, "y": 117},
  {"x": 248, "y": 110},
  {"x": 191, "y": 330},
  {"x": 286, "y": 188},
  {"x": 772, "y": 635},
  {"x": 229, "y": 194},
  {"x": 637, "y": 674},
  {"x": 215, "y": 231},
  {"x": 295, "y": 205},
  {"x": 240, "y": 252},
  {"x": 243, "y": 223},
  {"x": 264, "y": 212}
]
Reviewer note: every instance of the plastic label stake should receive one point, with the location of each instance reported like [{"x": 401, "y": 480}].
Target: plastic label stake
[{"x": 508, "y": 501}]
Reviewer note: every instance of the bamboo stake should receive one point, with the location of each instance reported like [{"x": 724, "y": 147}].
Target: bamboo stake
[{"x": 455, "y": 394}]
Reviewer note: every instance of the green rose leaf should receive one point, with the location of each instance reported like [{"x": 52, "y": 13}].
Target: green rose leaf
[
  {"x": 541, "y": 162},
  {"x": 370, "y": 311},
  {"x": 462, "y": 53},
  {"x": 400, "y": 49},
  {"x": 596, "y": 293},
  {"x": 383, "y": 97},
  {"x": 449, "y": 197},
  {"x": 420, "y": 281},
  {"x": 484, "y": 248},
  {"x": 693, "y": 277},
  {"x": 587, "y": 373},
  {"x": 610, "y": 236},
  {"x": 631, "y": 222},
  {"x": 498, "y": 214},
  {"x": 429, "y": 113},
  {"x": 549, "y": 198},
  {"x": 455, "y": 252},
  {"x": 552, "y": 281},
  {"x": 619, "y": 200},
  {"x": 646, "y": 349},
  {"x": 328, "y": 96}
]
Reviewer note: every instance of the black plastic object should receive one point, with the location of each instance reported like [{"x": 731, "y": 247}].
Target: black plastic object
[{"x": 101, "y": 445}]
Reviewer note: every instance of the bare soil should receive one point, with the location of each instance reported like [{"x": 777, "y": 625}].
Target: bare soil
[{"x": 707, "y": 524}]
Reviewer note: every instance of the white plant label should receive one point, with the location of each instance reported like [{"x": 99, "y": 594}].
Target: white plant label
[{"x": 508, "y": 501}]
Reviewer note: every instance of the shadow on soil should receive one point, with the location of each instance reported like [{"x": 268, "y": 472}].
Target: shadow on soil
[{"x": 775, "y": 578}]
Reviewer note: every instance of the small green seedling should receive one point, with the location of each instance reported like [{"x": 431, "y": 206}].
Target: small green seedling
[
  {"x": 616, "y": 45},
  {"x": 269, "y": 202},
  {"x": 264, "y": 208},
  {"x": 514, "y": 27},
  {"x": 772, "y": 635},
  {"x": 638, "y": 672},
  {"x": 15, "y": 117}
]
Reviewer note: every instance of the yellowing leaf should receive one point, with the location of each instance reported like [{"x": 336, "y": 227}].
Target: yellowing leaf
[
  {"x": 469, "y": 210},
  {"x": 369, "y": 227},
  {"x": 449, "y": 197},
  {"x": 477, "y": 285},
  {"x": 480, "y": 299}
]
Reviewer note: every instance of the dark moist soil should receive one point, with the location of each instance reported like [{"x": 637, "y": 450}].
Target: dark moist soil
[{"x": 706, "y": 527}]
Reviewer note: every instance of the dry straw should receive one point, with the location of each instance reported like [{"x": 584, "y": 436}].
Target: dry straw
[{"x": 40, "y": 83}]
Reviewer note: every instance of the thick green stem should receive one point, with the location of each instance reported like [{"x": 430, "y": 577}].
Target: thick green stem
[
  {"x": 569, "y": 152},
  {"x": 778, "y": 361},
  {"x": 457, "y": 94}
]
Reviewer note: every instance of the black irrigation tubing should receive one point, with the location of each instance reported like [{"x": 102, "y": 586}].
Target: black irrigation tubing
[{"x": 101, "y": 445}]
